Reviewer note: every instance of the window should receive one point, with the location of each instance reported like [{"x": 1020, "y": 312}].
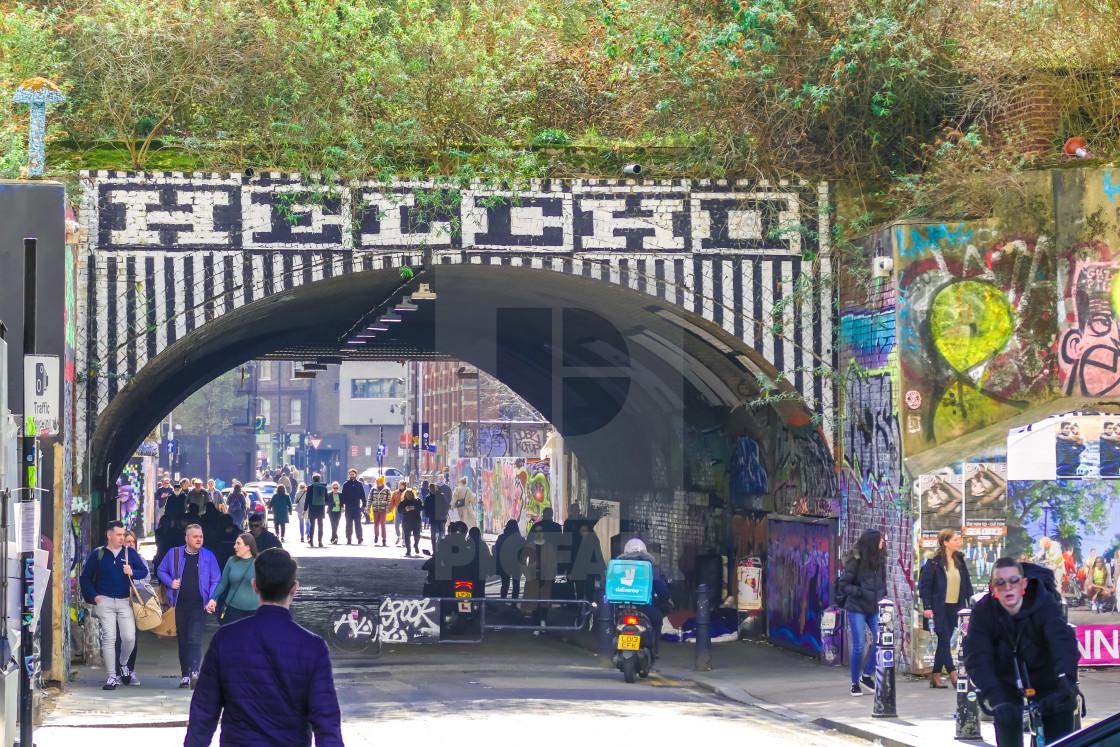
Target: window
[
  {"x": 266, "y": 370},
  {"x": 374, "y": 389},
  {"x": 293, "y": 374},
  {"x": 297, "y": 406},
  {"x": 266, "y": 411}
]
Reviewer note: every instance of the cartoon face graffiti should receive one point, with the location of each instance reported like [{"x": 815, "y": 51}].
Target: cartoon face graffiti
[{"x": 1090, "y": 351}]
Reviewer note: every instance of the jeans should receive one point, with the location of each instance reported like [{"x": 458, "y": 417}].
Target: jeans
[
  {"x": 397, "y": 523},
  {"x": 439, "y": 527},
  {"x": 116, "y": 617},
  {"x": 189, "y": 624},
  {"x": 280, "y": 527},
  {"x": 379, "y": 522},
  {"x": 353, "y": 526},
  {"x": 857, "y": 624}
]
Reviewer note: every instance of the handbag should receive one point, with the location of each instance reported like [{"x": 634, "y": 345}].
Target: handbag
[
  {"x": 145, "y": 606},
  {"x": 167, "y": 627},
  {"x": 225, "y": 608}
]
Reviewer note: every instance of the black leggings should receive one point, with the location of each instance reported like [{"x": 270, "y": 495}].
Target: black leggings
[
  {"x": 945, "y": 625},
  {"x": 506, "y": 579}
]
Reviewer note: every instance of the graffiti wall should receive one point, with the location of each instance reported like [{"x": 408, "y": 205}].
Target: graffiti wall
[
  {"x": 501, "y": 439},
  {"x": 506, "y": 488},
  {"x": 800, "y": 567}
]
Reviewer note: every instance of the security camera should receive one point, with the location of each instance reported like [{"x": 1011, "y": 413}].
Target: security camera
[
  {"x": 632, "y": 169},
  {"x": 882, "y": 267}
]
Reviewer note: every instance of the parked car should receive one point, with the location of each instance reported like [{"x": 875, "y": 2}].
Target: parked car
[
  {"x": 264, "y": 489},
  {"x": 254, "y": 501},
  {"x": 392, "y": 475}
]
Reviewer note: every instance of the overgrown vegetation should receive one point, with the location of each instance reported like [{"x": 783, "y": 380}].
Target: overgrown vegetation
[{"x": 902, "y": 95}]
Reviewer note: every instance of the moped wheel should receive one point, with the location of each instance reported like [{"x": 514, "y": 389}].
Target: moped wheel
[{"x": 629, "y": 669}]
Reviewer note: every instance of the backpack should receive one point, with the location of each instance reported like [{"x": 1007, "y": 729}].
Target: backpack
[{"x": 96, "y": 574}]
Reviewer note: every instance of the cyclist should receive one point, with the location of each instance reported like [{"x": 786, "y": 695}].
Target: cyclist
[{"x": 1019, "y": 647}]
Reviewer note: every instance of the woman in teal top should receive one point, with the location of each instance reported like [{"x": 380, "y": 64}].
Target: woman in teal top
[
  {"x": 237, "y": 576},
  {"x": 281, "y": 505}
]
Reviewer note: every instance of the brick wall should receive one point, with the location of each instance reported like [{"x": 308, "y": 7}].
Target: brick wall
[
  {"x": 1029, "y": 119},
  {"x": 871, "y": 474}
]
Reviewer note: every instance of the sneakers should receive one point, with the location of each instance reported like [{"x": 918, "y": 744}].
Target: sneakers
[
  {"x": 193, "y": 680},
  {"x": 868, "y": 681},
  {"x": 126, "y": 676},
  {"x": 134, "y": 679},
  {"x": 856, "y": 691},
  {"x": 184, "y": 683},
  {"x": 111, "y": 683}
]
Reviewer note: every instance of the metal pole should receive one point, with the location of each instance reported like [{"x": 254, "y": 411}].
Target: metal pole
[
  {"x": 703, "y": 630},
  {"x": 27, "y": 498},
  {"x": 605, "y": 623},
  {"x": 968, "y": 706},
  {"x": 884, "y": 667}
]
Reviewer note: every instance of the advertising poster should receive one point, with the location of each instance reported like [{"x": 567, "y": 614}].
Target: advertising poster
[
  {"x": 1077, "y": 448},
  {"x": 750, "y": 585},
  {"x": 985, "y": 516},
  {"x": 942, "y": 501},
  {"x": 1110, "y": 446}
]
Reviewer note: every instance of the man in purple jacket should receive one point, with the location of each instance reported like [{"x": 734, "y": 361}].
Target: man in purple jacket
[
  {"x": 271, "y": 677},
  {"x": 190, "y": 572}
]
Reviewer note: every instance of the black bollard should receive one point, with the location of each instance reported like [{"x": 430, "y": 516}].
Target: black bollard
[
  {"x": 884, "y": 706},
  {"x": 703, "y": 630},
  {"x": 606, "y": 632},
  {"x": 968, "y": 705}
]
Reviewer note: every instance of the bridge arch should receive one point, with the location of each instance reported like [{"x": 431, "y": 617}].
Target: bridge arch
[{"x": 188, "y": 276}]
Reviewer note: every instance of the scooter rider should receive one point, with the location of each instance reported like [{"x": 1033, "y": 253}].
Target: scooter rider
[
  {"x": 635, "y": 549},
  {"x": 1019, "y": 625}
]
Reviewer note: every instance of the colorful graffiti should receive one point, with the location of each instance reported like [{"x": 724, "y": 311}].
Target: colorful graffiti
[
  {"x": 1089, "y": 351},
  {"x": 799, "y": 572},
  {"x": 506, "y": 489},
  {"x": 976, "y": 320},
  {"x": 872, "y": 455},
  {"x": 747, "y": 472}
]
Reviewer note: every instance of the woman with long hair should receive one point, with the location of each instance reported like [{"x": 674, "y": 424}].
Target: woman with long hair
[
  {"x": 864, "y": 581},
  {"x": 944, "y": 586},
  {"x": 241, "y": 600},
  {"x": 1098, "y": 584},
  {"x": 281, "y": 505},
  {"x": 236, "y": 505}
]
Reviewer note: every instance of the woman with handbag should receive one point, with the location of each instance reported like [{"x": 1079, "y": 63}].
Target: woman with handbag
[
  {"x": 241, "y": 600},
  {"x": 945, "y": 587}
]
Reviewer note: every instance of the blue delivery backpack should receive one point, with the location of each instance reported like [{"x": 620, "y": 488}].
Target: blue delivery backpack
[{"x": 629, "y": 582}]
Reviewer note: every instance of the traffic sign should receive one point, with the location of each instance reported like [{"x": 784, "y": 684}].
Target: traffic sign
[
  {"x": 259, "y": 424},
  {"x": 381, "y": 450},
  {"x": 41, "y": 393},
  {"x": 404, "y": 440},
  {"x": 353, "y": 451},
  {"x": 315, "y": 442},
  {"x": 170, "y": 447}
]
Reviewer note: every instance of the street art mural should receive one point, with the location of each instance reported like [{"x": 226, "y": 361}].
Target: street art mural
[
  {"x": 1089, "y": 350},
  {"x": 800, "y": 567},
  {"x": 506, "y": 488},
  {"x": 747, "y": 472},
  {"x": 505, "y": 439},
  {"x": 976, "y": 319}
]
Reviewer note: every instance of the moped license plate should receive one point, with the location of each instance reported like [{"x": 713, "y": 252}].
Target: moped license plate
[
  {"x": 463, "y": 594},
  {"x": 629, "y": 642}
]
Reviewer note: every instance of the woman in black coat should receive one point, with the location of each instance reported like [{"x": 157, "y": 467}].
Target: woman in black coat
[
  {"x": 864, "y": 580},
  {"x": 945, "y": 587}
]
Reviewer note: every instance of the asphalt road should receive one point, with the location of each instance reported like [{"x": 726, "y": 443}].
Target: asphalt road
[{"x": 513, "y": 687}]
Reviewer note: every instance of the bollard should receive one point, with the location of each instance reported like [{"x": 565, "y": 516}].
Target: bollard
[
  {"x": 968, "y": 705},
  {"x": 884, "y": 706},
  {"x": 703, "y": 630},
  {"x": 606, "y": 631}
]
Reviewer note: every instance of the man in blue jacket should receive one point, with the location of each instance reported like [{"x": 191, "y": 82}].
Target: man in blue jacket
[
  {"x": 105, "y": 584},
  {"x": 190, "y": 572},
  {"x": 271, "y": 677}
]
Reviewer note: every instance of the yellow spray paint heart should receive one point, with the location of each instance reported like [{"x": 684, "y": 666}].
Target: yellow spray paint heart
[{"x": 970, "y": 322}]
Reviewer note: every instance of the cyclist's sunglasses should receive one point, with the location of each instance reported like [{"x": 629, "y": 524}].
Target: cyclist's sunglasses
[{"x": 999, "y": 583}]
